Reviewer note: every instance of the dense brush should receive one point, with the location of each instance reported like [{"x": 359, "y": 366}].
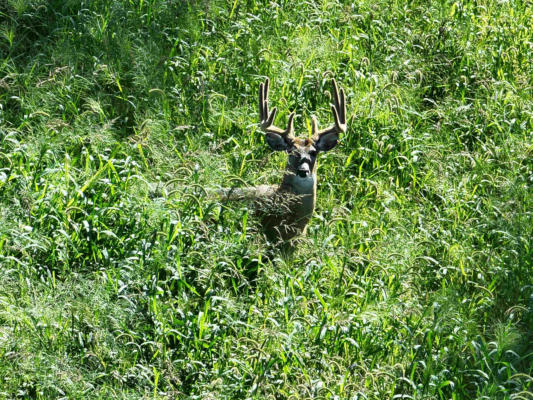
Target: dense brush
[{"x": 121, "y": 277}]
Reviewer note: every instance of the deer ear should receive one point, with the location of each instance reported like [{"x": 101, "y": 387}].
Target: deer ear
[
  {"x": 327, "y": 141},
  {"x": 277, "y": 142}
]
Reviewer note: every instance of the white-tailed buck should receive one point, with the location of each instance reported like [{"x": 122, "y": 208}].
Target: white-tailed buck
[{"x": 286, "y": 209}]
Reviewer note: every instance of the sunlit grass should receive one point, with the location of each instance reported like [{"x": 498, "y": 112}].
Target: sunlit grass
[{"x": 122, "y": 277}]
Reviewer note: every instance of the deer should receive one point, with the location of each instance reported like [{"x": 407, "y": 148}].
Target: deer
[{"x": 286, "y": 209}]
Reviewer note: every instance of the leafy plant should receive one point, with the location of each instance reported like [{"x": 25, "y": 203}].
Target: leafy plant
[{"x": 122, "y": 276}]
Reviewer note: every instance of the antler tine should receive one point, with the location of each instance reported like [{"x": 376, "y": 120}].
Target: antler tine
[
  {"x": 339, "y": 114},
  {"x": 267, "y": 118}
]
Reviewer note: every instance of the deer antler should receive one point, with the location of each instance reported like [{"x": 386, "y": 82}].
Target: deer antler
[
  {"x": 267, "y": 118},
  {"x": 339, "y": 114}
]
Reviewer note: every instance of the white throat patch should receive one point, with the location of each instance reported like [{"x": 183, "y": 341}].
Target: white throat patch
[{"x": 303, "y": 185}]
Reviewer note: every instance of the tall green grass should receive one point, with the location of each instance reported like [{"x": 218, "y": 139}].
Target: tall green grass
[{"x": 122, "y": 278}]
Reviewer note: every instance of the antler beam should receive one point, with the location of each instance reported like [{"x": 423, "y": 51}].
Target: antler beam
[
  {"x": 267, "y": 118},
  {"x": 339, "y": 114}
]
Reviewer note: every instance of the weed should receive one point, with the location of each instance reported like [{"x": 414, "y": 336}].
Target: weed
[{"x": 121, "y": 276}]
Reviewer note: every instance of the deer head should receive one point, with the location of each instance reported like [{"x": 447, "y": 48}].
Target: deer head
[{"x": 302, "y": 151}]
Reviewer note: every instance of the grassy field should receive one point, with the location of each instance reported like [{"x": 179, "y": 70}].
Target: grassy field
[{"x": 122, "y": 278}]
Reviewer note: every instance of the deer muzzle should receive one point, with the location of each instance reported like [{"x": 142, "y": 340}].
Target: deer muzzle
[{"x": 303, "y": 170}]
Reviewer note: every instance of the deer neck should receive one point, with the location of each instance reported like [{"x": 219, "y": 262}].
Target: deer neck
[
  {"x": 297, "y": 185},
  {"x": 304, "y": 188}
]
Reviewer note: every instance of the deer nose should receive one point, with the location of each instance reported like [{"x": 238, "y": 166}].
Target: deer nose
[{"x": 303, "y": 170}]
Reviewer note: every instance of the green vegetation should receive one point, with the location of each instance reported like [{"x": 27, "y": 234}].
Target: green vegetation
[{"x": 121, "y": 278}]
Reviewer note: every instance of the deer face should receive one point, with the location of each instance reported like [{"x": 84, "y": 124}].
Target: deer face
[
  {"x": 302, "y": 158},
  {"x": 302, "y": 155},
  {"x": 302, "y": 152}
]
